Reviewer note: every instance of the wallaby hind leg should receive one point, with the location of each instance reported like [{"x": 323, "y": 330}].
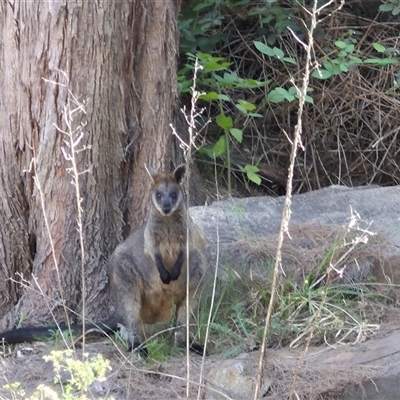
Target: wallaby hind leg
[
  {"x": 196, "y": 272},
  {"x": 127, "y": 307},
  {"x": 129, "y": 317},
  {"x": 180, "y": 330}
]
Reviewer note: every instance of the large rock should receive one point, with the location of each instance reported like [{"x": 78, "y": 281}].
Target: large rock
[
  {"x": 233, "y": 226},
  {"x": 238, "y": 228},
  {"x": 261, "y": 216},
  {"x": 235, "y": 378}
]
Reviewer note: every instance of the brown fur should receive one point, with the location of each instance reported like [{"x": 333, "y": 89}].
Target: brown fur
[{"x": 148, "y": 271}]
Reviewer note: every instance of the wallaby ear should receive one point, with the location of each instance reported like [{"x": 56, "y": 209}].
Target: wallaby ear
[
  {"x": 179, "y": 173},
  {"x": 152, "y": 172}
]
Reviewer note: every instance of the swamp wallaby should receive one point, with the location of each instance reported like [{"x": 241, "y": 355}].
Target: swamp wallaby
[{"x": 148, "y": 271}]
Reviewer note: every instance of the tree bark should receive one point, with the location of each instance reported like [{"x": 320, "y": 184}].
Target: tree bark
[{"x": 119, "y": 59}]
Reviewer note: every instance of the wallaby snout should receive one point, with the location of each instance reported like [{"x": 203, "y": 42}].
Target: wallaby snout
[{"x": 166, "y": 208}]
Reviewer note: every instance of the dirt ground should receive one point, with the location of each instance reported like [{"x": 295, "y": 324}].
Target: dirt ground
[{"x": 132, "y": 379}]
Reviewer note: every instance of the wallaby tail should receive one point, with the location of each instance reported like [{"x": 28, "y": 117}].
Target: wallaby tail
[{"x": 37, "y": 334}]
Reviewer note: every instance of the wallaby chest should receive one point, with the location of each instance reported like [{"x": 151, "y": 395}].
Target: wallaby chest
[
  {"x": 166, "y": 236},
  {"x": 169, "y": 242}
]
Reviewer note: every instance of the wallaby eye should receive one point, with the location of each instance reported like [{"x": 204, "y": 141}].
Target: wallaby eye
[
  {"x": 158, "y": 195},
  {"x": 173, "y": 195}
]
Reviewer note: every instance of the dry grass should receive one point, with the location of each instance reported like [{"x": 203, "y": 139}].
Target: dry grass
[{"x": 304, "y": 254}]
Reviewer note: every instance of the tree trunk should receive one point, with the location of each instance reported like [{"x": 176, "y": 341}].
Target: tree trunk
[{"x": 119, "y": 59}]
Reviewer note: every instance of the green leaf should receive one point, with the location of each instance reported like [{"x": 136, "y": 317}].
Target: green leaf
[
  {"x": 254, "y": 178},
  {"x": 248, "y": 106},
  {"x": 237, "y": 134},
  {"x": 321, "y": 74},
  {"x": 309, "y": 99},
  {"x": 387, "y": 61},
  {"x": 220, "y": 146},
  {"x": 382, "y": 62},
  {"x": 386, "y": 7},
  {"x": 379, "y": 47},
  {"x": 278, "y": 52},
  {"x": 349, "y": 48},
  {"x": 207, "y": 150},
  {"x": 205, "y": 57},
  {"x": 230, "y": 77},
  {"x": 275, "y": 97},
  {"x": 251, "y": 168},
  {"x": 396, "y": 11},
  {"x": 223, "y": 97},
  {"x": 215, "y": 66},
  {"x": 224, "y": 122},
  {"x": 329, "y": 66},
  {"x": 279, "y": 94},
  {"x": 355, "y": 60},
  {"x": 254, "y": 115},
  {"x": 201, "y": 6},
  {"x": 371, "y": 61},
  {"x": 251, "y": 83},
  {"x": 269, "y": 51},
  {"x": 241, "y": 108},
  {"x": 289, "y": 60},
  {"x": 252, "y": 174},
  {"x": 209, "y": 96},
  {"x": 342, "y": 45}
]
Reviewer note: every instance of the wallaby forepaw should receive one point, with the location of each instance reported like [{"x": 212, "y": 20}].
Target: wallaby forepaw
[
  {"x": 165, "y": 277},
  {"x": 174, "y": 275}
]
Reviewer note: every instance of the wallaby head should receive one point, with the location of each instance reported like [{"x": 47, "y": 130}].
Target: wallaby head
[{"x": 167, "y": 194}]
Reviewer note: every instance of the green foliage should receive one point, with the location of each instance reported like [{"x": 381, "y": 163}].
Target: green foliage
[
  {"x": 239, "y": 307},
  {"x": 252, "y": 173},
  {"x": 21, "y": 320},
  {"x": 161, "y": 349},
  {"x": 217, "y": 76},
  {"x": 273, "y": 52},
  {"x": 82, "y": 374},
  {"x": 57, "y": 336},
  {"x": 202, "y": 28},
  {"x": 253, "y": 65},
  {"x": 392, "y": 6},
  {"x": 348, "y": 57}
]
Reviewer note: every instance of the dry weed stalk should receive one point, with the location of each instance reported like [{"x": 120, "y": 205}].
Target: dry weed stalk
[
  {"x": 187, "y": 150},
  {"x": 284, "y": 229},
  {"x": 75, "y": 134},
  {"x": 53, "y": 254}
]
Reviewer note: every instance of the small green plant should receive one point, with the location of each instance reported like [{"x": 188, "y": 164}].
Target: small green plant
[
  {"x": 82, "y": 372},
  {"x": 348, "y": 57},
  {"x": 15, "y": 390},
  {"x": 161, "y": 349},
  {"x": 73, "y": 375},
  {"x": 235, "y": 321},
  {"x": 58, "y": 336},
  {"x": 21, "y": 320}
]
